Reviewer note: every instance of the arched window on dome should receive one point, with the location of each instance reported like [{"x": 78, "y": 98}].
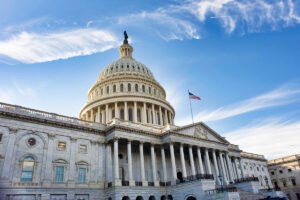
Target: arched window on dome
[
  {"x": 129, "y": 87},
  {"x": 154, "y": 91},
  {"x": 107, "y": 90},
  {"x": 27, "y": 169},
  {"x": 149, "y": 90},
  {"x": 130, "y": 114},
  {"x": 143, "y": 88},
  {"x": 136, "y": 87},
  {"x": 101, "y": 91},
  {"x": 122, "y": 114},
  {"x": 114, "y": 88},
  {"x": 121, "y": 88},
  {"x": 139, "y": 115}
]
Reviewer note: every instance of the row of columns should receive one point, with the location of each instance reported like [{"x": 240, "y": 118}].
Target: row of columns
[
  {"x": 104, "y": 116},
  {"x": 226, "y": 172}
]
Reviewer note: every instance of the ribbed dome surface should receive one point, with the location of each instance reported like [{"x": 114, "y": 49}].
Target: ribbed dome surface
[{"x": 125, "y": 66}]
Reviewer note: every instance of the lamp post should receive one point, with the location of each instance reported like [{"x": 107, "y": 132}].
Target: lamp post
[{"x": 221, "y": 180}]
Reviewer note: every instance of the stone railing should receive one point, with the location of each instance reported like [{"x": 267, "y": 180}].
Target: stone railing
[
  {"x": 252, "y": 155},
  {"x": 194, "y": 178},
  {"x": 247, "y": 179},
  {"x": 221, "y": 190},
  {"x": 25, "y": 184},
  {"x": 45, "y": 115}
]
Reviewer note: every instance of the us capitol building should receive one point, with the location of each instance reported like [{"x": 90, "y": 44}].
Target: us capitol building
[{"x": 124, "y": 145}]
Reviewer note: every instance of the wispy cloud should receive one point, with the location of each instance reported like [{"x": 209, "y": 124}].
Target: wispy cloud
[
  {"x": 188, "y": 19},
  {"x": 29, "y": 47},
  {"x": 163, "y": 23},
  {"x": 287, "y": 93},
  {"x": 273, "y": 138}
]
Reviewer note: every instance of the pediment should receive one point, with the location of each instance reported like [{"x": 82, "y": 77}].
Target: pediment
[{"x": 202, "y": 131}]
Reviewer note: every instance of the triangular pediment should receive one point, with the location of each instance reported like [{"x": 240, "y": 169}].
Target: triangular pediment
[{"x": 201, "y": 130}]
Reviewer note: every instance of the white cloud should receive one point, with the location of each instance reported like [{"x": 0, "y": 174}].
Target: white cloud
[
  {"x": 286, "y": 94},
  {"x": 273, "y": 138},
  {"x": 34, "y": 47},
  {"x": 251, "y": 15},
  {"x": 162, "y": 23}
]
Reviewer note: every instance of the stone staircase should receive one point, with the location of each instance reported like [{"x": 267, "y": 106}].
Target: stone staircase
[{"x": 245, "y": 195}]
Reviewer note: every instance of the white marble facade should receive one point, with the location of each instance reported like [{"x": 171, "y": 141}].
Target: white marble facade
[{"x": 124, "y": 145}]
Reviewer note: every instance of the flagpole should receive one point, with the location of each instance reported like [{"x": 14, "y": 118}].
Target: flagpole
[{"x": 191, "y": 106}]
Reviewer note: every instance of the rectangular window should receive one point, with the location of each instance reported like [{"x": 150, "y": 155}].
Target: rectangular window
[
  {"x": 61, "y": 146},
  {"x": 293, "y": 181},
  {"x": 81, "y": 175},
  {"x": 1, "y": 135},
  {"x": 82, "y": 148},
  {"x": 59, "y": 174}
]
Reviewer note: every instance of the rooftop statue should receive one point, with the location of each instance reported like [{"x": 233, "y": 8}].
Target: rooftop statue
[{"x": 125, "y": 38}]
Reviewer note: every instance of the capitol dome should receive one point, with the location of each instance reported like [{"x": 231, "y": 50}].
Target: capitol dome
[{"x": 127, "y": 90}]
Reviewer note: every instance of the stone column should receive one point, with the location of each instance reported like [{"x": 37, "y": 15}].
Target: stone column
[
  {"x": 134, "y": 112},
  {"x": 153, "y": 114},
  {"x": 242, "y": 169},
  {"x": 131, "y": 181},
  {"x": 163, "y": 159},
  {"x": 144, "y": 113},
  {"x": 207, "y": 162},
  {"x": 72, "y": 161},
  {"x": 216, "y": 167},
  {"x": 125, "y": 111},
  {"x": 166, "y": 116},
  {"x": 174, "y": 174},
  {"x": 103, "y": 116},
  {"x": 144, "y": 182},
  {"x": 106, "y": 114},
  {"x": 170, "y": 118},
  {"x": 229, "y": 167},
  {"x": 153, "y": 161},
  {"x": 236, "y": 168},
  {"x": 108, "y": 163},
  {"x": 200, "y": 160},
  {"x": 225, "y": 182},
  {"x": 192, "y": 160},
  {"x": 92, "y": 115},
  {"x": 149, "y": 116},
  {"x": 182, "y": 161},
  {"x": 9, "y": 154},
  {"x": 117, "y": 110},
  {"x": 160, "y": 117},
  {"x": 48, "y": 171},
  {"x": 116, "y": 163},
  {"x": 99, "y": 115}
]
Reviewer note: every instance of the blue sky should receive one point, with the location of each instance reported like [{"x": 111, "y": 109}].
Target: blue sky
[{"x": 241, "y": 57}]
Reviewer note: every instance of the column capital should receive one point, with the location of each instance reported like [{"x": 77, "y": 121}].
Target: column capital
[
  {"x": 13, "y": 130},
  {"x": 152, "y": 144},
  {"x": 141, "y": 142},
  {"x": 181, "y": 144},
  {"x": 129, "y": 140},
  {"x": 116, "y": 138},
  {"x": 51, "y": 135}
]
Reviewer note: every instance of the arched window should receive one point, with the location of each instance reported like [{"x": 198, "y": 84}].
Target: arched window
[
  {"x": 114, "y": 88},
  {"x": 121, "y": 88},
  {"x": 136, "y": 87},
  {"x": 129, "y": 87},
  {"x": 27, "y": 169},
  {"x": 122, "y": 114},
  {"x": 107, "y": 90},
  {"x": 143, "y": 88},
  {"x": 101, "y": 91},
  {"x": 149, "y": 90},
  {"x": 130, "y": 115},
  {"x": 154, "y": 91}
]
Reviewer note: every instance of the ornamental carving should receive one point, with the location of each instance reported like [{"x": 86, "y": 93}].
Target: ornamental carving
[{"x": 200, "y": 133}]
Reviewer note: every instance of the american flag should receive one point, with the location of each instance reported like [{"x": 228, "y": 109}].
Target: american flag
[{"x": 192, "y": 96}]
